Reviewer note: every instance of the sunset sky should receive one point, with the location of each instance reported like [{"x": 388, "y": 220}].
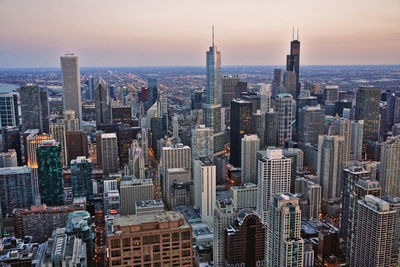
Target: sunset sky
[{"x": 34, "y": 33}]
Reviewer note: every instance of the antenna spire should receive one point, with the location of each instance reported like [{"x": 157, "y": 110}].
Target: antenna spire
[
  {"x": 213, "y": 35},
  {"x": 293, "y": 33},
  {"x": 297, "y": 32}
]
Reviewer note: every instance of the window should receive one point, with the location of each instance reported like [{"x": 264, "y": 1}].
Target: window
[
  {"x": 116, "y": 253},
  {"x": 175, "y": 236},
  {"x": 156, "y": 248},
  {"x": 115, "y": 243},
  {"x": 126, "y": 242},
  {"x": 151, "y": 239},
  {"x": 116, "y": 262},
  {"x": 186, "y": 235}
]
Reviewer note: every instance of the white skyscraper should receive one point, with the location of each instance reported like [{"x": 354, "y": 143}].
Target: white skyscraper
[
  {"x": 202, "y": 142},
  {"x": 265, "y": 97},
  {"x": 283, "y": 245},
  {"x": 330, "y": 165},
  {"x": 390, "y": 166},
  {"x": 274, "y": 172},
  {"x": 204, "y": 183},
  {"x": 175, "y": 126},
  {"x": 285, "y": 117},
  {"x": 71, "y": 83},
  {"x": 132, "y": 190},
  {"x": 109, "y": 153},
  {"x": 250, "y": 146}
]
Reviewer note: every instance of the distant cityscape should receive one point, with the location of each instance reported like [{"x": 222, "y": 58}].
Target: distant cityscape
[{"x": 228, "y": 166}]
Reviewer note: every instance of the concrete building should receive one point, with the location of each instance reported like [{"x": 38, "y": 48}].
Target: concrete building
[
  {"x": 161, "y": 239},
  {"x": 16, "y": 188},
  {"x": 285, "y": 117},
  {"x": 149, "y": 206},
  {"x": 244, "y": 197},
  {"x": 81, "y": 177},
  {"x": 264, "y": 93},
  {"x": 77, "y": 145},
  {"x": 330, "y": 165},
  {"x": 204, "y": 183},
  {"x": 177, "y": 181},
  {"x": 202, "y": 142},
  {"x": 309, "y": 193},
  {"x": 229, "y": 84},
  {"x": 374, "y": 234},
  {"x": 283, "y": 245},
  {"x": 35, "y": 108},
  {"x": 224, "y": 214},
  {"x": 250, "y": 146},
  {"x": 71, "y": 84},
  {"x": 331, "y": 94},
  {"x": 310, "y": 124},
  {"x": 133, "y": 190},
  {"x": 273, "y": 178},
  {"x": 390, "y": 166},
  {"x": 107, "y": 153},
  {"x": 70, "y": 121}
]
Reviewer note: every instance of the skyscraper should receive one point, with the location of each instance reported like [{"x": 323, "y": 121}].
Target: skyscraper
[
  {"x": 16, "y": 188},
  {"x": 310, "y": 124},
  {"x": 390, "y": 166},
  {"x": 273, "y": 178},
  {"x": 81, "y": 177},
  {"x": 35, "y": 108},
  {"x": 102, "y": 101},
  {"x": 367, "y": 109},
  {"x": 229, "y": 84},
  {"x": 250, "y": 146},
  {"x": 285, "y": 117},
  {"x": 108, "y": 153},
  {"x": 133, "y": 190},
  {"x": 241, "y": 124},
  {"x": 57, "y": 132},
  {"x": 293, "y": 61},
  {"x": 331, "y": 94},
  {"x": 224, "y": 214},
  {"x": 277, "y": 82},
  {"x": 202, "y": 142},
  {"x": 309, "y": 193},
  {"x": 50, "y": 180},
  {"x": 77, "y": 145},
  {"x": 373, "y": 237},
  {"x": 264, "y": 94},
  {"x": 204, "y": 183},
  {"x": 283, "y": 245},
  {"x": 71, "y": 123},
  {"x": 152, "y": 93},
  {"x": 9, "y": 115},
  {"x": 71, "y": 84},
  {"x": 289, "y": 83},
  {"x": 330, "y": 165},
  {"x": 11, "y": 139},
  {"x": 271, "y": 128}
]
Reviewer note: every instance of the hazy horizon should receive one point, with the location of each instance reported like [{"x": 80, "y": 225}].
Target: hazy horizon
[{"x": 124, "y": 33}]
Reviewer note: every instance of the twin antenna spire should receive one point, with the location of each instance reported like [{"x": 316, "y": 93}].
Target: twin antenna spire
[{"x": 297, "y": 33}]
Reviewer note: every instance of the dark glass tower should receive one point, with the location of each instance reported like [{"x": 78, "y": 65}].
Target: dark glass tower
[
  {"x": 367, "y": 109},
  {"x": 293, "y": 61},
  {"x": 102, "y": 102},
  {"x": 241, "y": 124},
  {"x": 50, "y": 173},
  {"x": 152, "y": 93},
  {"x": 34, "y": 108}
]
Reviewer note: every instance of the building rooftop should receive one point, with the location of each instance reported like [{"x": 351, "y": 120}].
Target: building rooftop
[
  {"x": 150, "y": 203},
  {"x": 108, "y": 135}
]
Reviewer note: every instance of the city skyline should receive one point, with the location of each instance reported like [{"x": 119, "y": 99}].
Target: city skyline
[{"x": 155, "y": 33}]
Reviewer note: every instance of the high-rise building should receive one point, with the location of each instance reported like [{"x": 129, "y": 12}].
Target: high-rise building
[
  {"x": 283, "y": 245},
  {"x": 244, "y": 196},
  {"x": 224, "y": 214},
  {"x": 258, "y": 124},
  {"x": 204, "y": 183},
  {"x": 202, "y": 142},
  {"x": 367, "y": 109},
  {"x": 309, "y": 193},
  {"x": 102, "y": 102},
  {"x": 77, "y": 145},
  {"x": 229, "y": 84},
  {"x": 330, "y": 165},
  {"x": 81, "y": 177},
  {"x": 289, "y": 83},
  {"x": 331, "y": 94},
  {"x": 271, "y": 128},
  {"x": 34, "y": 108},
  {"x": 148, "y": 235},
  {"x": 310, "y": 124},
  {"x": 241, "y": 124},
  {"x": 71, "y": 83},
  {"x": 121, "y": 114},
  {"x": 264, "y": 93},
  {"x": 245, "y": 240},
  {"x": 16, "y": 188},
  {"x": 57, "y": 132},
  {"x": 176, "y": 156},
  {"x": 178, "y": 181},
  {"x": 8, "y": 159},
  {"x": 273, "y": 178},
  {"x": 277, "y": 82},
  {"x": 11, "y": 139},
  {"x": 152, "y": 93},
  {"x": 136, "y": 161},
  {"x": 293, "y": 61},
  {"x": 390, "y": 166},
  {"x": 9, "y": 115},
  {"x": 373, "y": 243},
  {"x": 285, "y": 117},
  {"x": 133, "y": 190},
  {"x": 50, "y": 180},
  {"x": 250, "y": 146},
  {"x": 107, "y": 153},
  {"x": 71, "y": 123}
]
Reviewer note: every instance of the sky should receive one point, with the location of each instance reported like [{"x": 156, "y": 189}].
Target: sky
[{"x": 34, "y": 33}]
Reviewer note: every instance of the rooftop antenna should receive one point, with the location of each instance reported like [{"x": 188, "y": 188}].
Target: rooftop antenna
[
  {"x": 213, "y": 35},
  {"x": 293, "y": 34},
  {"x": 297, "y": 32}
]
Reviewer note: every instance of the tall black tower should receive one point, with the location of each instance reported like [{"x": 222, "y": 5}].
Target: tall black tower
[{"x": 293, "y": 61}]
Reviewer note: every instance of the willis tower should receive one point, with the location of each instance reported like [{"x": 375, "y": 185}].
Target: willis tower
[{"x": 293, "y": 61}]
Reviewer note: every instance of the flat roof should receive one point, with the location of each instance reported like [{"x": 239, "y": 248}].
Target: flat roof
[{"x": 160, "y": 216}]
